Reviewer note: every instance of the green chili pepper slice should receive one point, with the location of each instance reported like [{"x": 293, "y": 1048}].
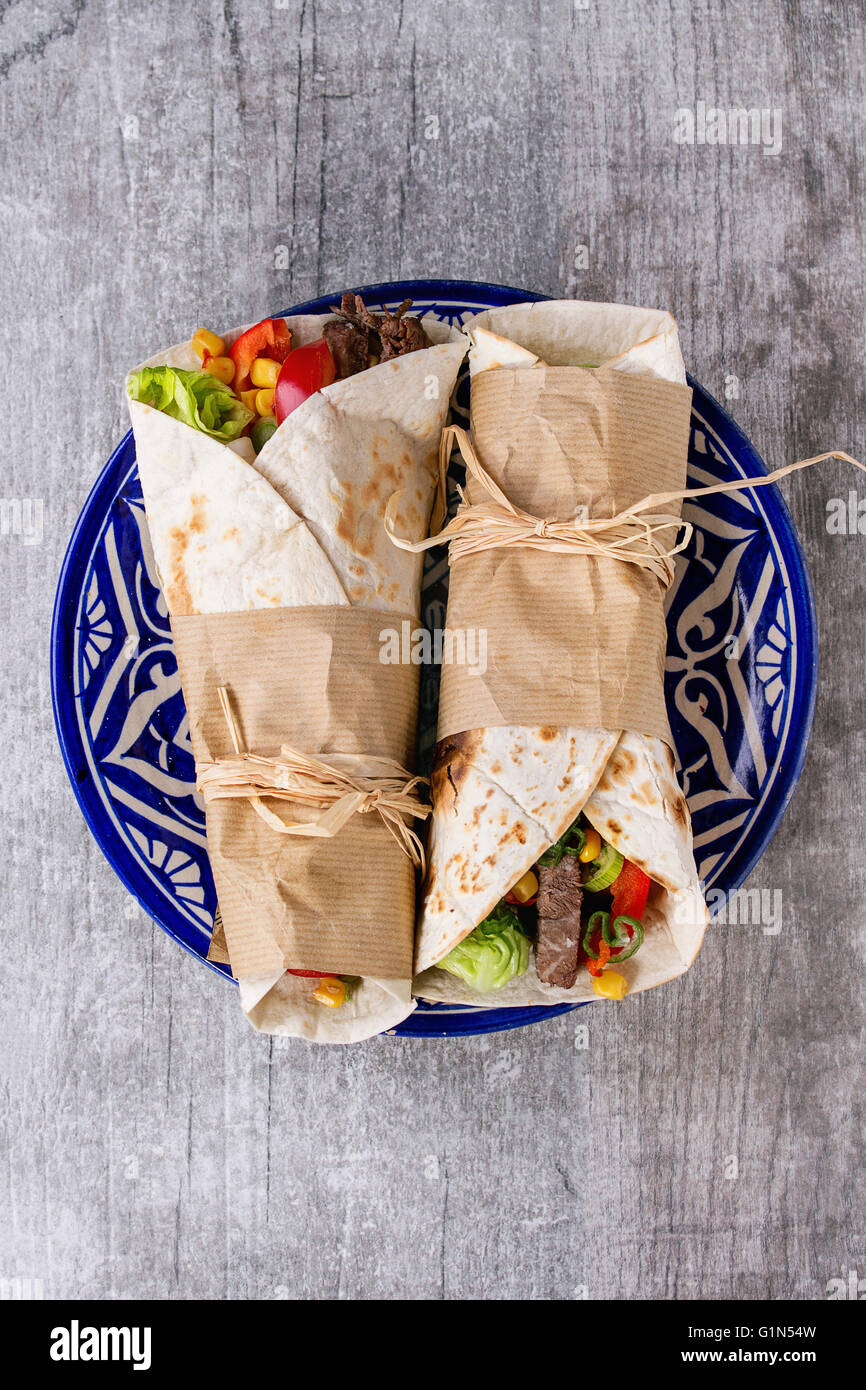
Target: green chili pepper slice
[
  {"x": 576, "y": 841},
  {"x": 597, "y": 922},
  {"x": 563, "y": 845},
  {"x": 616, "y": 936}
]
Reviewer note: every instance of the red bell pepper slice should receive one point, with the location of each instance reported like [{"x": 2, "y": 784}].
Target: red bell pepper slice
[
  {"x": 630, "y": 891},
  {"x": 312, "y": 974},
  {"x": 270, "y": 338}
]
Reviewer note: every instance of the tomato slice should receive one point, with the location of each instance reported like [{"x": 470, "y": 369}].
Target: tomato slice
[
  {"x": 305, "y": 371},
  {"x": 311, "y": 974},
  {"x": 270, "y": 338}
]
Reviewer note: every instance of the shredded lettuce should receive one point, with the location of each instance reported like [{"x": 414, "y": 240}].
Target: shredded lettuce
[
  {"x": 494, "y": 953},
  {"x": 196, "y": 398}
]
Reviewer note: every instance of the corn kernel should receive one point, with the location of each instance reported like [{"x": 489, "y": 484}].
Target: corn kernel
[
  {"x": 611, "y": 985},
  {"x": 264, "y": 372},
  {"x": 525, "y": 888},
  {"x": 223, "y": 368},
  {"x": 249, "y": 399},
  {"x": 331, "y": 992},
  {"x": 592, "y": 848},
  {"x": 265, "y": 402},
  {"x": 204, "y": 341}
]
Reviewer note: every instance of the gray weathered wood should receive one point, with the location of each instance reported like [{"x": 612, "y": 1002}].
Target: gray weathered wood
[{"x": 154, "y": 158}]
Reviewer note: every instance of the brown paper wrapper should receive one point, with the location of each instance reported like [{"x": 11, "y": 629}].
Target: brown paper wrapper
[
  {"x": 572, "y": 640},
  {"x": 310, "y": 677},
  {"x": 218, "y": 950}
]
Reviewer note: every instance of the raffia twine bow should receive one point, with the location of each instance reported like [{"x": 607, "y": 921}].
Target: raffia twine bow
[
  {"x": 633, "y": 535},
  {"x": 348, "y": 784}
]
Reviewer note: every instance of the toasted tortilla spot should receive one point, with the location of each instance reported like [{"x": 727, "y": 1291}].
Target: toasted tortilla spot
[
  {"x": 231, "y": 534},
  {"x": 462, "y": 745},
  {"x": 613, "y": 827},
  {"x": 547, "y": 733},
  {"x": 347, "y": 522},
  {"x": 680, "y": 808},
  {"x": 623, "y": 765},
  {"x": 451, "y": 765},
  {"x": 178, "y": 594},
  {"x": 517, "y": 832},
  {"x": 198, "y": 520}
]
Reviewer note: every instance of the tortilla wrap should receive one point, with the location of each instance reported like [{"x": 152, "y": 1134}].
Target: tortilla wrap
[
  {"x": 501, "y": 796},
  {"x": 301, "y": 526}
]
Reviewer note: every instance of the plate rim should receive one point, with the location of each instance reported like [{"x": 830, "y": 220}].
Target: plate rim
[{"x": 488, "y": 1019}]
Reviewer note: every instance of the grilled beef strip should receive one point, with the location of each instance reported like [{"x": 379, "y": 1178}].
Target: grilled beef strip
[
  {"x": 558, "y": 943},
  {"x": 358, "y": 338},
  {"x": 399, "y": 334},
  {"x": 349, "y": 347}
]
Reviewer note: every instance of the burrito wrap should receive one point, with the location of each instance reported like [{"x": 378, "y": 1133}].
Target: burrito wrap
[
  {"x": 507, "y": 785},
  {"x": 332, "y": 696},
  {"x": 294, "y": 530},
  {"x": 556, "y": 439}
]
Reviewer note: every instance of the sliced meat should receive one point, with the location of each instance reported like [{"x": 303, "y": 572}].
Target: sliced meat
[
  {"x": 400, "y": 334},
  {"x": 349, "y": 346},
  {"x": 359, "y": 338},
  {"x": 558, "y": 943}
]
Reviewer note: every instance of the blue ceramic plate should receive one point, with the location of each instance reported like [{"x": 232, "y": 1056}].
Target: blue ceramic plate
[{"x": 740, "y": 681}]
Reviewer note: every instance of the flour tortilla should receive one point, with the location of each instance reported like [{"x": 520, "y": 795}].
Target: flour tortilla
[
  {"x": 223, "y": 539},
  {"x": 501, "y": 796},
  {"x": 343, "y": 453},
  {"x": 299, "y": 526}
]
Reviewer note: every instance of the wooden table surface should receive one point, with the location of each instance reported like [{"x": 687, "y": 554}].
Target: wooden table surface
[{"x": 171, "y": 164}]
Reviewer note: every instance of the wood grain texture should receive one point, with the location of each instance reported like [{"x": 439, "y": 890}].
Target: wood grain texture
[{"x": 154, "y": 160}]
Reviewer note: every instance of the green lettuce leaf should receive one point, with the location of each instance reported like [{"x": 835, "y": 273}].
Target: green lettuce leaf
[
  {"x": 494, "y": 953},
  {"x": 196, "y": 398}
]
